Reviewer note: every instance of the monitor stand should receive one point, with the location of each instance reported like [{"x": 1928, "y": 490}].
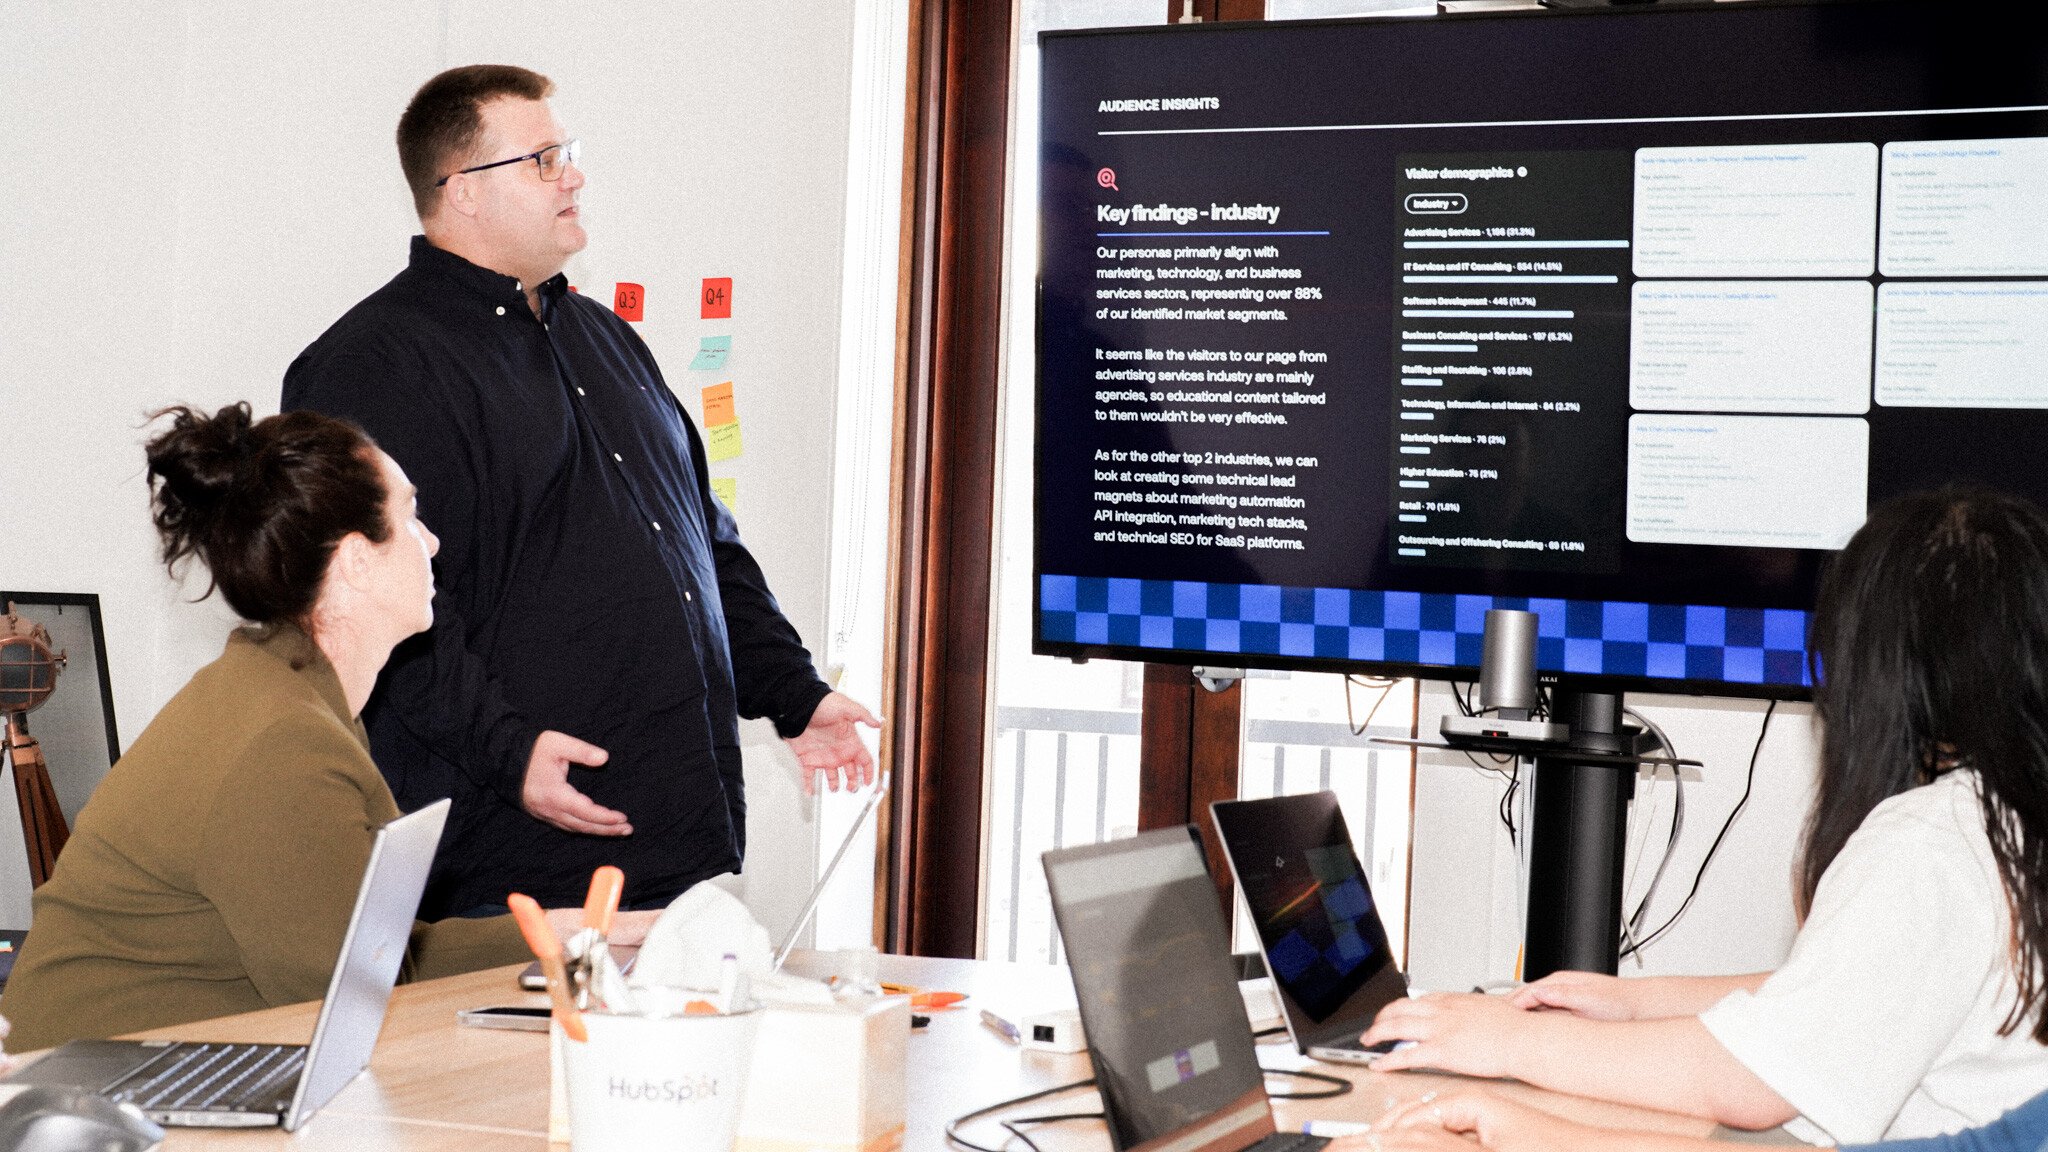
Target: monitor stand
[
  {"x": 1578, "y": 831},
  {"x": 1579, "y": 796}
]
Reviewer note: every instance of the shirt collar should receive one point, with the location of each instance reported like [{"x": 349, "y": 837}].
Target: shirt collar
[{"x": 492, "y": 287}]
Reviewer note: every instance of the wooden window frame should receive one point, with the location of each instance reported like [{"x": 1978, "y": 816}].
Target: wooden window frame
[{"x": 949, "y": 385}]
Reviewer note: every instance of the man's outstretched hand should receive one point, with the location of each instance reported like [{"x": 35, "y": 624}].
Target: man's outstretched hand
[
  {"x": 548, "y": 796},
  {"x": 832, "y": 745}
]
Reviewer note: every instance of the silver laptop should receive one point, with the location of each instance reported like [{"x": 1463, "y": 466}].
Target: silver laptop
[
  {"x": 1173, "y": 1052},
  {"x": 1325, "y": 946},
  {"x": 263, "y": 1085}
]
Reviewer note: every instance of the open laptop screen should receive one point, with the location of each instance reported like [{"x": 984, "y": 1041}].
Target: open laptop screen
[
  {"x": 1301, "y": 880},
  {"x": 1158, "y": 995}
]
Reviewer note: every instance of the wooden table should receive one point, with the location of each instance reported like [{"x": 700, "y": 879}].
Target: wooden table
[{"x": 433, "y": 1085}]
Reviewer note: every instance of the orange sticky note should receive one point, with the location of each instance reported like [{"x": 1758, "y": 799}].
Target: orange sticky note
[
  {"x": 718, "y": 407},
  {"x": 629, "y": 301},
  {"x": 717, "y": 298}
]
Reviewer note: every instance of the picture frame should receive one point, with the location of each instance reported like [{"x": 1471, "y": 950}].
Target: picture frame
[{"x": 76, "y": 726}]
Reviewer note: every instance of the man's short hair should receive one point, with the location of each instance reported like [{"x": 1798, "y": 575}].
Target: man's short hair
[{"x": 444, "y": 123}]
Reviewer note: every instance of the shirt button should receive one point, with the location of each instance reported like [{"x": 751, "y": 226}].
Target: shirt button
[
  {"x": 581, "y": 392},
  {"x": 687, "y": 598},
  {"x": 501, "y": 309},
  {"x": 656, "y": 523},
  {"x": 619, "y": 458}
]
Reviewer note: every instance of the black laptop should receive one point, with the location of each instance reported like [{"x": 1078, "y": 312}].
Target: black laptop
[
  {"x": 1173, "y": 1052},
  {"x": 264, "y": 1085},
  {"x": 1325, "y": 946}
]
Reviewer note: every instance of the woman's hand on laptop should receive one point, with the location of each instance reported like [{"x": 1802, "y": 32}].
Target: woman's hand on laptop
[
  {"x": 1498, "y": 1124},
  {"x": 1466, "y": 1032},
  {"x": 5, "y": 1063},
  {"x": 1403, "y": 1140}
]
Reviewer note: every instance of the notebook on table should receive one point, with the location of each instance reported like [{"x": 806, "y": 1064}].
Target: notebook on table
[
  {"x": 264, "y": 1085},
  {"x": 1318, "y": 926},
  {"x": 1173, "y": 1052}
]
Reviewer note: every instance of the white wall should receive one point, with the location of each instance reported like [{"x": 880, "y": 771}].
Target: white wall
[
  {"x": 199, "y": 189},
  {"x": 1466, "y": 895}
]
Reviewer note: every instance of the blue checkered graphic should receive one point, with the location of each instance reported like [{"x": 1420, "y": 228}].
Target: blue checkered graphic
[{"x": 1603, "y": 638}]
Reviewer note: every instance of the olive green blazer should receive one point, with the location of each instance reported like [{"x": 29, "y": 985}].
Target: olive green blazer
[{"x": 215, "y": 868}]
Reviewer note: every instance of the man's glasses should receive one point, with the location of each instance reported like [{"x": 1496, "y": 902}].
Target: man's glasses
[{"x": 550, "y": 160}]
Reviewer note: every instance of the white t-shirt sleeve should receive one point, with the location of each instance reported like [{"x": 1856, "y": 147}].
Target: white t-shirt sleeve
[{"x": 1905, "y": 930}]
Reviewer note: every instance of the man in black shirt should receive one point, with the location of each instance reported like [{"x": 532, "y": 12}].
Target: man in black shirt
[{"x": 596, "y": 607}]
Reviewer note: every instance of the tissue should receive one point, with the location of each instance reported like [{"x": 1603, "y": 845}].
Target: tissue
[{"x": 690, "y": 939}]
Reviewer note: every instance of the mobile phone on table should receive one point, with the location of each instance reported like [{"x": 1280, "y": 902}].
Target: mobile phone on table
[{"x": 517, "y": 1018}]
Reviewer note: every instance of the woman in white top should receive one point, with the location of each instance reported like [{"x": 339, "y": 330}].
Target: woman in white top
[{"x": 1911, "y": 1003}]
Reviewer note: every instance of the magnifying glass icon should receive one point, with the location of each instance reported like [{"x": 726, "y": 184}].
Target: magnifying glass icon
[{"x": 1107, "y": 179}]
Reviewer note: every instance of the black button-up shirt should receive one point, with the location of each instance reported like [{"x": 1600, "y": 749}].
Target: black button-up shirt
[{"x": 588, "y": 582}]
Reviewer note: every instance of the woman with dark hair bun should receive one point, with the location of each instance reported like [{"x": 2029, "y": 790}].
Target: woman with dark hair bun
[
  {"x": 215, "y": 868},
  {"x": 1915, "y": 1000}
]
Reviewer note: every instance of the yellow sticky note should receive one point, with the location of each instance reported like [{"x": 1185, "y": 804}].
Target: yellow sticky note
[
  {"x": 724, "y": 441},
  {"x": 718, "y": 407},
  {"x": 727, "y": 489}
]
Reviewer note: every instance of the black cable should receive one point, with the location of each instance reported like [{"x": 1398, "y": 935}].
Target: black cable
[
  {"x": 1719, "y": 836},
  {"x": 1634, "y": 923},
  {"x": 1338, "y": 1085},
  {"x": 1386, "y": 687},
  {"x": 1019, "y": 1133},
  {"x": 1507, "y": 803},
  {"x": 1464, "y": 704},
  {"x": 953, "y": 1125}
]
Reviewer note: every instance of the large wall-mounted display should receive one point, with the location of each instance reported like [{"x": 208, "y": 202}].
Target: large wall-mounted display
[{"x": 1351, "y": 330}]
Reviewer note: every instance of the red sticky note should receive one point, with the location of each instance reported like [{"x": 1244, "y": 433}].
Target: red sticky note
[
  {"x": 628, "y": 300},
  {"x": 717, "y": 298}
]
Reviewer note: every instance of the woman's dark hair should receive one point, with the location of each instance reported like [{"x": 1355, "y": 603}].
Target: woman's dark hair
[
  {"x": 1930, "y": 652},
  {"x": 263, "y": 503}
]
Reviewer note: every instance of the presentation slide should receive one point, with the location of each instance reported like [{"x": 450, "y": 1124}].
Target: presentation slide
[
  {"x": 1345, "y": 334},
  {"x": 1966, "y": 345},
  {"x": 1502, "y": 432},
  {"x": 1746, "y": 481},
  {"x": 1756, "y": 210},
  {"x": 1796, "y": 346},
  {"x": 1965, "y": 208}
]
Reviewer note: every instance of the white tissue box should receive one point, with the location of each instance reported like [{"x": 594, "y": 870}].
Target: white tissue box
[{"x": 828, "y": 1078}]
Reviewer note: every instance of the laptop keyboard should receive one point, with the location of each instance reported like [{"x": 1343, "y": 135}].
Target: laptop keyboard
[{"x": 215, "y": 1077}]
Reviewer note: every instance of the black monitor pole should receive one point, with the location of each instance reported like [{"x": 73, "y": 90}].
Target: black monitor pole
[
  {"x": 1578, "y": 830},
  {"x": 1578, "y": 825}
]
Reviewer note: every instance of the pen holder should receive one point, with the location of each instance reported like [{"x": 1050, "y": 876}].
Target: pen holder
[
  {"x": 829, "y": 1078},
  {"x": 674, "y": 1084}
]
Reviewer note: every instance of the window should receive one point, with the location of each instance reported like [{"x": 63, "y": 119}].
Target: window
[
  {"x": 1063, "y": 753},
  {"x": 1298, "y": 738}
]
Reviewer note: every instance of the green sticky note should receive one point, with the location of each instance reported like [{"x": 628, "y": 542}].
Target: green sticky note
[
  {"x": 711, "y": 353},
  {"x": 724, "y": 442},
  {"x": 727, "y": 489}
]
